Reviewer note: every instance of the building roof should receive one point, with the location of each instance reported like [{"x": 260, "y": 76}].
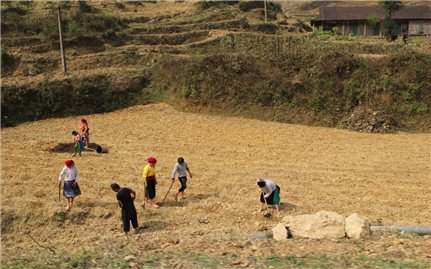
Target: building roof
[{"x": 362, "y": 13}]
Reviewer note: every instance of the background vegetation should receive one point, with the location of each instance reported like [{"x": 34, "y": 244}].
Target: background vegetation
[{"x": 222, "y": 58}]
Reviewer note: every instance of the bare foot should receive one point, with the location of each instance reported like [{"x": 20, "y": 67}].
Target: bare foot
[{"x": 175, "y": 197}]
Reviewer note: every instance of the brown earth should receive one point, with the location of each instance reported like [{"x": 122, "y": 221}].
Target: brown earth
[{"x": 383, "y": 177}]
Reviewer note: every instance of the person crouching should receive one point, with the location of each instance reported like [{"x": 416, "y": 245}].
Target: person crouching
[{"x": 270, "y": 193}]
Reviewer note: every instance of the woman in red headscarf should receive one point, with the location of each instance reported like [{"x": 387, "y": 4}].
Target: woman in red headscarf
[
  {"x": 85, "y": 132},
  {"x": 70, "y": 188},
  {"x": 150, "y": 180}
]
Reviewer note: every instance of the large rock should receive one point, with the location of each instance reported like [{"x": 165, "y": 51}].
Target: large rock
[
  {"x": 279, "y": 232},
  {"x": 357, "y": 227},
  {"x": 322, "y": 225}
]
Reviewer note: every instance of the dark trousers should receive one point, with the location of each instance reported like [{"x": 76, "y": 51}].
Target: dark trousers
[
  {"x": 183, "y": 181},
  {"x": 129, "y": 215},
  {"x": 151, "y": 189}
]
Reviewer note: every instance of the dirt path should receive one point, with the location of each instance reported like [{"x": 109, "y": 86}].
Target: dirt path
[{"x": 383, "y": 177}]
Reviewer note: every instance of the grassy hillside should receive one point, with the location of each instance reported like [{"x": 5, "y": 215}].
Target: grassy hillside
[{"x": 211, "y": 57}]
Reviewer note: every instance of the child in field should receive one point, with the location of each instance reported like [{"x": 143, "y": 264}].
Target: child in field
[
  {"x": 85, "y": 133},
  {"x": 270, "y": 193},
  {"x": 78, "y": 144},
  {"x": 181, "y": 167}
]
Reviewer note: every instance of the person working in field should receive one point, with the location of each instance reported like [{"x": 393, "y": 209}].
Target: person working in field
[
  {"x": 181, "y": 167},
  {"x": 78, "y": 144},
  {"x": 85, "y": 133},
  {"x": 150, "y": 181},
  {"x": 270, "y": 193},
  {"x": 125, "y": 198},
  {"x": 70, "y": 188}
]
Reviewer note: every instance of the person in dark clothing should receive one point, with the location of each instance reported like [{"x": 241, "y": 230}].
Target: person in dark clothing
[{"x": 125, "y": 198}]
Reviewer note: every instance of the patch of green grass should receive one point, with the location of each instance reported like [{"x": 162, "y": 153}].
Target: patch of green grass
[
  {"x": 326, "y": 261},
  {"x": 114, "y": 258},
  {"x": 204, "y": 261}
]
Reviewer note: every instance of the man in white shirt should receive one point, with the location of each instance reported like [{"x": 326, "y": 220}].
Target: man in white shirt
[
  {"x": 270, "y": 193},
  {"x": 181, "y": 167}
]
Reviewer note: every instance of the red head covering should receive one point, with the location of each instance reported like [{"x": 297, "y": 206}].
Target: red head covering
[
  {"x": 83, "y": 120},
  {"x": 69, "y": 163},
  {"x": 151, "y": 160}
]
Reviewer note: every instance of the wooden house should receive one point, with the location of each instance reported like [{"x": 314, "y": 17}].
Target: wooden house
[{"x": 367, "y": 21}]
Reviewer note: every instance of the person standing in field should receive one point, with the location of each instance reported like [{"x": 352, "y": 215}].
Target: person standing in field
[
  {"x": 181, "y": 167},
  {"x": 85, "y": 132},
  {"x": 78, "y": 144},
  {"x": 151, "y": 182},
  {"x": 125, "y": 199},
  {"x": 70, "y": 188},
  {"x": 269, "y": 192}
]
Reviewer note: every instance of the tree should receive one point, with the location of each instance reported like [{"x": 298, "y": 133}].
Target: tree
[
  {"x": 391, "y": 6},
  {"x": 388, "y": 23}
]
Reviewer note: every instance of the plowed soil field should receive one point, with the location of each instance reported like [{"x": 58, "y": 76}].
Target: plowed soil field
[{"x": 383, "y": 177}]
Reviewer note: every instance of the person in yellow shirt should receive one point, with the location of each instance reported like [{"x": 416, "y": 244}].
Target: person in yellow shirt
[{"x": 151, "y": 182}]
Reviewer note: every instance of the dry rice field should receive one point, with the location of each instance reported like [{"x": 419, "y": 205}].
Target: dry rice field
[{"x": 383, "y": 177}]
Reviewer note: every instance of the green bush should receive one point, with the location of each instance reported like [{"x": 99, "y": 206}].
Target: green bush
[
  {"x": 120, "y": 5},
  {"x": 8, "y": 62},
  {"x": 68, "y": 97},
  {"x": 65, "y": 5},
  {"x": 84, "y": 7},
  {"x": 265, "y": 93},
  {"x": 203, "y": 5},
  {"x": 50, "y": 29},
  {"x": 303, "y": 25},
  {"x": 249, "y": 5},
  {"x": 14, "y": 10},
  {"x": 269, "y": 28}
]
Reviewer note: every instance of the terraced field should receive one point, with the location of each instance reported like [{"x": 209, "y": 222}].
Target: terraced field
[{"x": 383, "y": 177}]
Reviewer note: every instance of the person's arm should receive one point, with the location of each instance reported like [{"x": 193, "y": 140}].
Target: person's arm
[
  {"x": 270, "y": 187},
  {"x": 60, "y": 177},
  {"x": 75, "y": 174},
  {"x": 188, "y": 169},
  {"x": 145, "y": 173},
  {"x": 120, "y": 204},
  {"x": 133, "y": 194},
  {"x": 174, "y": 172},
  {"x": 190, "y": 173}
]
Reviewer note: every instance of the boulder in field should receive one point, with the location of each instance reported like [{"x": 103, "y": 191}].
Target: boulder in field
[
  {"x": 279, "y": 232},
  {"x": 322, "y": 225},
  {"x": 357, "y": 227}
]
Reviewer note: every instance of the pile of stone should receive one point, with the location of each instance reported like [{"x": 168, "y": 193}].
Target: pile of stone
[
  {"x": 368, "y": 120},
  {"x": 322, "y": 225}
]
